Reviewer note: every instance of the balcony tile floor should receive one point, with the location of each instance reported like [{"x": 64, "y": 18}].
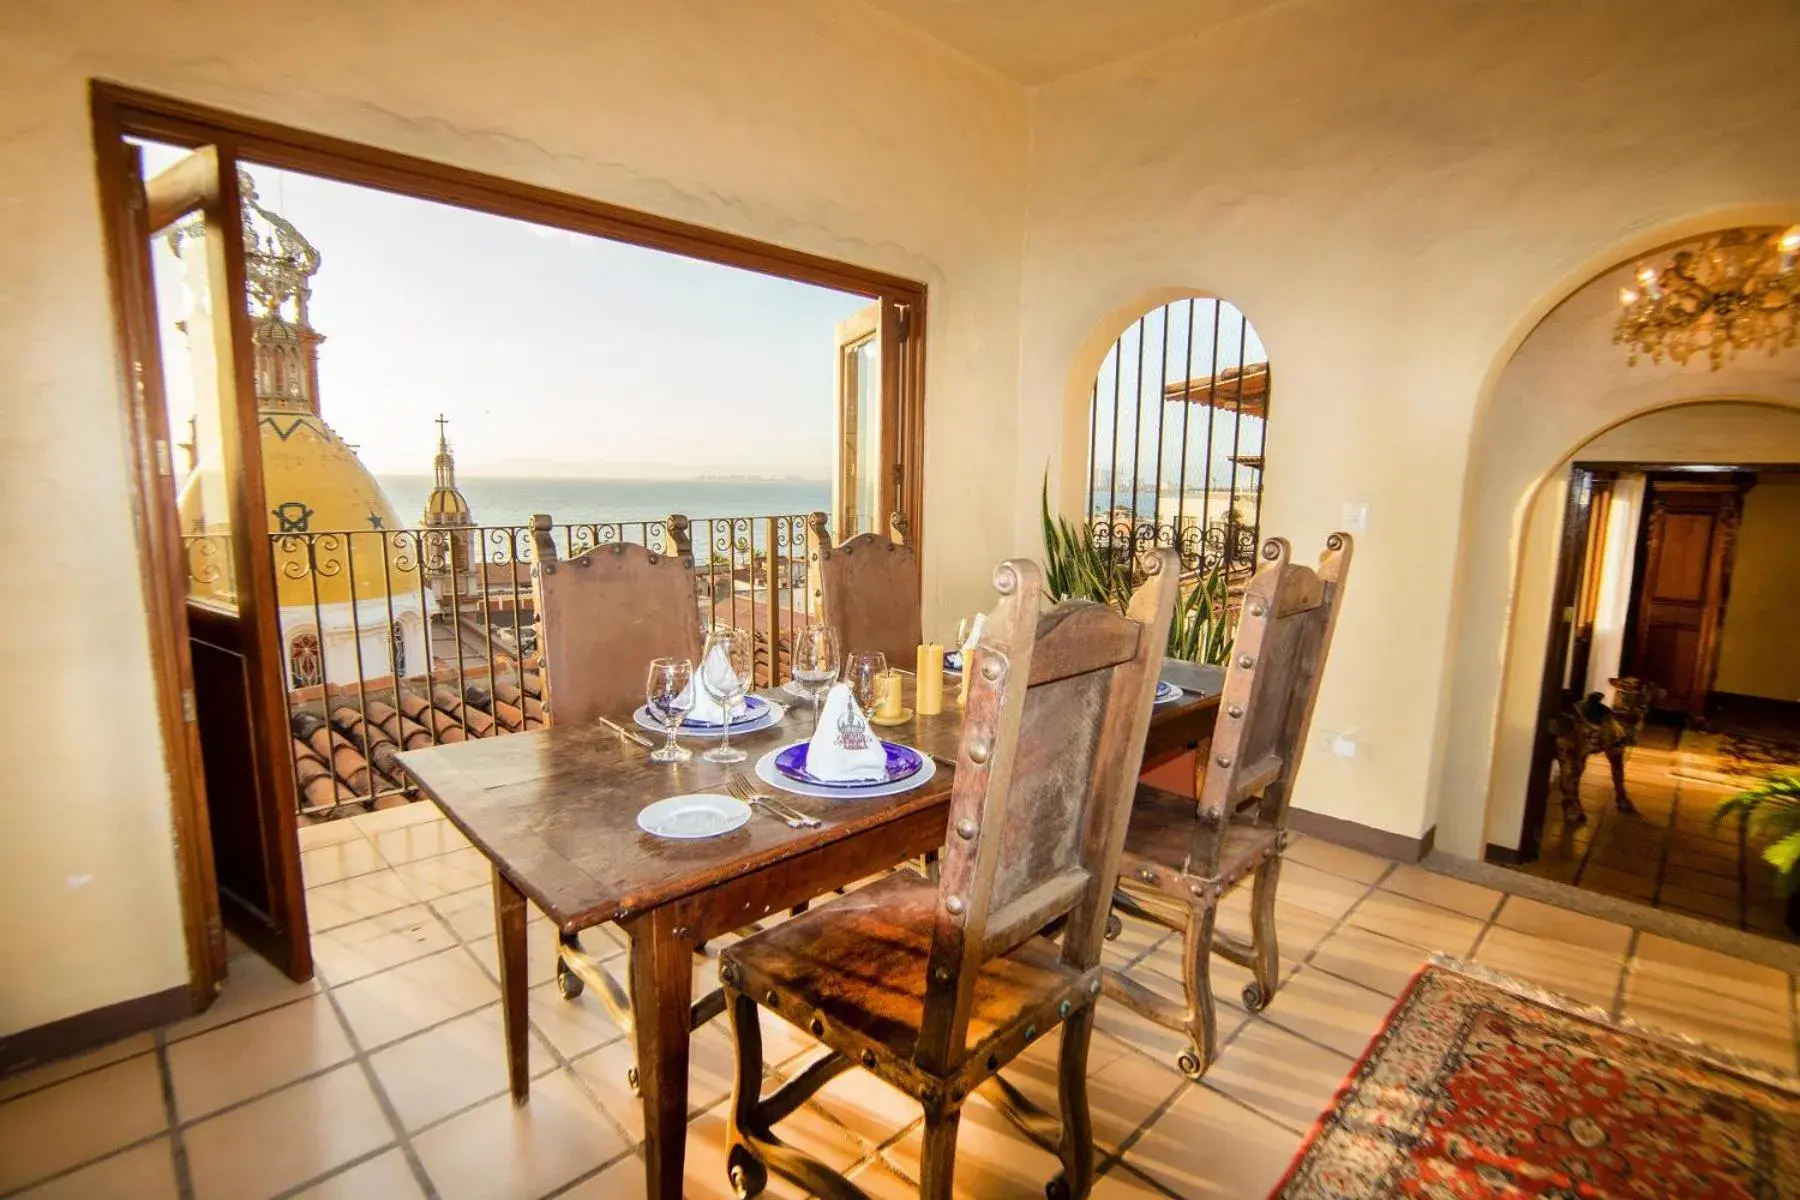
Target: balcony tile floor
[{"x": 384, "y": 1077}]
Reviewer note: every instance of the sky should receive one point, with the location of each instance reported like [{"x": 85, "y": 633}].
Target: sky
[{"x": 551, "y": 353}]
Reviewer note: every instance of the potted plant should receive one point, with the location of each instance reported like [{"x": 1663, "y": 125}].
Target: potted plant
[{"x": 1772, "y": 810}]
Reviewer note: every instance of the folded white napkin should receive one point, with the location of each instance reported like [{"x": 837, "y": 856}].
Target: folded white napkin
[
  {"x": 845, "y": 749},
  {"x": 716, "y": 666}
]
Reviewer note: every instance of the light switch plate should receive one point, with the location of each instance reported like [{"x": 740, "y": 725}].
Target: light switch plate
[{"x": 1355, "y": 517}]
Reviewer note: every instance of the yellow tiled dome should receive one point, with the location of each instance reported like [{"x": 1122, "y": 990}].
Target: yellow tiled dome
[{"x": 314, "y": 484}]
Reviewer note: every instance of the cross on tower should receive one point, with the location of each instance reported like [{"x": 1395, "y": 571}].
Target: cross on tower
[{"x": 443, "y": 424}]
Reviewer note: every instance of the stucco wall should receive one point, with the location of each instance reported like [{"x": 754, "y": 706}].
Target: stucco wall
[
  {"x": 1394, "y": 193},
  {"x": 1715, "y": 432},
  {"x": 1759, "y": 648},
  {"x": 813, "y": 123}
]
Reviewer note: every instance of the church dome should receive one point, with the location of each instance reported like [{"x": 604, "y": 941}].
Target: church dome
[{"x": 315, "y": 484}]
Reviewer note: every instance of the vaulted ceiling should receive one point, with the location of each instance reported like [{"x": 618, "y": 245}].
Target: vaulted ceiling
[{"x": 1034, "y": 41}]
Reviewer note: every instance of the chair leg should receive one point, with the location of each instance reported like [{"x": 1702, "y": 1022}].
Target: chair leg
[
  {"x": 1076, "y": 1146},
  {"x": 1267, "y": 964},
  {"x": 1196, "y": 970},
  {"x": 938, "y": 1163},
  {"x": 743, "y": 1164}
]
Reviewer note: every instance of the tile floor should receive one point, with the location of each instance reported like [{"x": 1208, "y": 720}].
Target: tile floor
[
  {"x": 383, "y": 1078},
  {"x": 1669, "y": 855}
]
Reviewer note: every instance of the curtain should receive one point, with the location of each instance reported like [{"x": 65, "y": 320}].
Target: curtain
[{"x": 1618, "y": 557}]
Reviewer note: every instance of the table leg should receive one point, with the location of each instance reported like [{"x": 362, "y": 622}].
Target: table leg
[
  {"x": 509, "y": 928},
  {"x": 662, "y": 980}
]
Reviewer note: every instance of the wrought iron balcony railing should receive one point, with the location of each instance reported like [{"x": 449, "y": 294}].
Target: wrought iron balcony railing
[{"x": 400, "y": 638}]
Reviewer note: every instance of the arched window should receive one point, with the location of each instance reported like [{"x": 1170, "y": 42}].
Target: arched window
[
  {"x": 306, "y": 664},
  {"x": 1175, "y": 436}
]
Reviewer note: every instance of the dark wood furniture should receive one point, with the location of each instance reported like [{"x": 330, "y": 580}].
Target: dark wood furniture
[
  {"x": 555, "y": 811},
  {"x": 933, "y": 985},
  {"x": 869, "y": 590},
  {"x": 1181, "y": 855}
]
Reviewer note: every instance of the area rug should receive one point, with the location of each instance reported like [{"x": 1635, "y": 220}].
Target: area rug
[
  {"x": 1735, "y": 759},
  {"x": 1481, "y": 1086}
]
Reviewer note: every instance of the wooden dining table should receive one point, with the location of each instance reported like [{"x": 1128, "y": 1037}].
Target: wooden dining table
[{"x": 555, "y": 812}]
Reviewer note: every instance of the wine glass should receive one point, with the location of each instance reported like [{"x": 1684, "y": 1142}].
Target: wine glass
[
  {"x": 669, "y": 694},
  {"x": 725, "y": 666},
  {"x": 814, "y": 663},
  {"x": 864, "y": 672}
]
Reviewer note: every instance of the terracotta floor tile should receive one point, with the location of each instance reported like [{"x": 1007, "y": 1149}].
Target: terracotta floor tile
[
  {"x": 1424, "y": 925},
  {"x": 711, "y": 1062},
  {"x": 20, "y": 1082},
  {"x": 1577, "y": 929},
  {"x": 1699, "y": 903},
  {"x": 873, "y": 1110},
  {"x": 394, "y": 818},
  {"x": 339, "y": 860},
  {"x": 1327, "y": 1009},
  {"x": 1159, "y": 1043},
  {"x": 1698, "y": 967},
  {"x": 1579, "y": 972},
  {"x": 433, "y": 1074},
  {"x": 1454, "y": 894},
  {"x": 387, "y": 1007},
  {"x": 1618, "y": 883},
  {"x": 1338, "y": 860},
  {"x": 572, "y": 1027},
  {"x": 425, "y": 839},
  {"x": 1371, "y": 959},
  {"x": 500, "y": 1149},
  {"x": 255, "y": 1055},
  {"x": 68, "y": 1123},
  {"x": 457, "y": 871},
  {"x": 1318, "y": 891},
  {"x": 252, "y": 985},
  {"x": 882, "y": 1182},
  {"x": 992, "y": 1157},
  {"x": 385, "y": 1177},
  {"x": 1209, "y": 1146},
  {"x": 333, "y": 904},
  {"x": 364, "y": 947},
  {"x": 1737, "y": 1006},
  {"x": 540, "y": 955},
  {"x": 328, "y": 833},
  {"x": 1123, "y": 1088},
  {"x": 145, "y": 1172},
  {"x": 469, "y": 913},
  {"x": 1279, "y": 1075},
  {"x": 285, "y": 1139}
]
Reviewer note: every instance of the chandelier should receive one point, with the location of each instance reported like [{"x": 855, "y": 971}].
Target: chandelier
[{"x": 1738, "y": 290}]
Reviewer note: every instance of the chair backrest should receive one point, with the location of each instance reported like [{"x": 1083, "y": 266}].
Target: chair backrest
[
  {"x": 1271, "y": 683},
  {"x": 1052, "y": 741},
  {"x": 869, "y": 590},
  {"x": 604, "y": 614}
]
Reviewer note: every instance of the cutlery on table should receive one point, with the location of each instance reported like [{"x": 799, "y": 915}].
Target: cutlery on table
[
  {"x": 740, "y": 787},
  {"x": 623, "y": 732}
]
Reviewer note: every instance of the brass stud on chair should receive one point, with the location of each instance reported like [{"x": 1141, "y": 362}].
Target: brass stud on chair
[
  {"x": 1257, "y": 609},
  {"x": 1094, "y": 987},
  {"x": 1224, "y": 760},
  {"x": 979, "y": 750},
  {"x": 1235, "y": 711},
  {"x": 990, "y": 667},
  {"x": 1246, "y": 661},
  {"x": 954, "y": 905},
  {"x": 868, "y": 1059},
  {"x": 965, "y": 829},
  {"x": 1062, "y": 1010}
]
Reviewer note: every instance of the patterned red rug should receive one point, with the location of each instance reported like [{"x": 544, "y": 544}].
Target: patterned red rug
[{"x": 1475, "y": 1089}]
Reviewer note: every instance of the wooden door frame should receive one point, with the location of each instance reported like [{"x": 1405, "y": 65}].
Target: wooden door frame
[{"x": 119, "y": 111}]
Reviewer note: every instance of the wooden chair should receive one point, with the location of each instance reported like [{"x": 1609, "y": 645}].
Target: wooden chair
[
  {"x": 869, "y": 590},
  {"x": 602, "y": 616},
  {"x": 933, "y": 985},
  {"x": 1181, "y": 855}
]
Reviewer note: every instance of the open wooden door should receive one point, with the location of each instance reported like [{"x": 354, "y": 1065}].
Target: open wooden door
[
  {"x": 213, "y": 567},
  {"x": 1688, "y": 543}
]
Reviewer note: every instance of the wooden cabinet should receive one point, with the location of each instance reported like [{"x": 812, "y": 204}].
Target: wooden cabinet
[{"x": 1686, "y": 573}]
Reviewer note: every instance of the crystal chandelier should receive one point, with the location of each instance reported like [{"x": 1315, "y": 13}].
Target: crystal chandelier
[{"x": 1738, "y": 290}]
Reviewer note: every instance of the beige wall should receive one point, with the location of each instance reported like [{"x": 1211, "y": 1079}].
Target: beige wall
[
  {"x": 1759, "y": 650},
  {"x": 1393, "y": 193},
  {"x": 1722, "y": 432},
  {"x": 813, "y": 123}
]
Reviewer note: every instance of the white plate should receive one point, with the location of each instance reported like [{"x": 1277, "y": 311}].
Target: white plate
[
  {"x": 767, "y": 720},
  {"x": 765, "y": 771},
  {"x": 701, "y": 815},
  {"x": 1166, "y": 693}
]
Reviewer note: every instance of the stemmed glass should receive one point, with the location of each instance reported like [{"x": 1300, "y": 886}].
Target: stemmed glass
[
  {"x": 864, "y": 676},
  {"x": 725, "y": 666},
  {"x": 669, "y": 695},
  {"x": 814, "y": 663}
]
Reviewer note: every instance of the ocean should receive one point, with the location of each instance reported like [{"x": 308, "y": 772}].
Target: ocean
[{"x": 501, "y": 501}]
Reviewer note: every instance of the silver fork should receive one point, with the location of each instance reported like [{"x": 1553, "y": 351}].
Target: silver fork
[
  {"x": 740, "y": 787},
  {"x": 739, "y": 791}
]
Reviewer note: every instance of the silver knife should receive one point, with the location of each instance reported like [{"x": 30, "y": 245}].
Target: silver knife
[{"x": 623, "y": 732}]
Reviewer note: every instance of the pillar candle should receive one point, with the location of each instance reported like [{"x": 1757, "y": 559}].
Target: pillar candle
[
  {"x": 891, "y": 705},
  {"x": 929, "y": 698}
]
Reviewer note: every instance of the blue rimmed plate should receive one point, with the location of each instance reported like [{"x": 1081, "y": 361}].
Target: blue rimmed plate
[
  {"x": 953, "y": 661},
  {"x": 767, "y": 716},
  {"x": 903, "y": 762},
  {"x": 1166, "y": 692}
]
